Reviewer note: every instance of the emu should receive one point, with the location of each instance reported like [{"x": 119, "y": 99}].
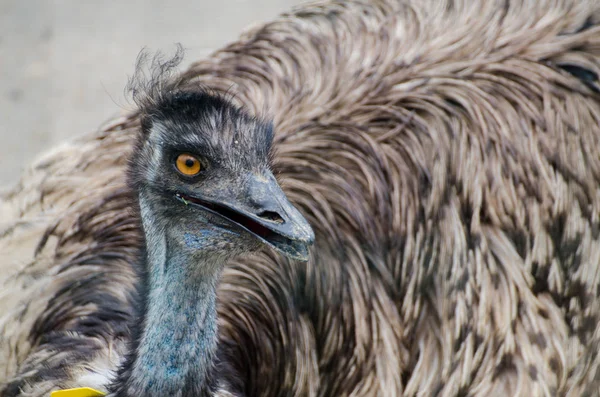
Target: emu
[
  {"x": 445, "y": 153},
  {"x": 205, "y": 193}
]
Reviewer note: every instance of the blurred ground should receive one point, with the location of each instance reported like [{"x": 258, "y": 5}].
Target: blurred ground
[{"x": 64, "y": 63}]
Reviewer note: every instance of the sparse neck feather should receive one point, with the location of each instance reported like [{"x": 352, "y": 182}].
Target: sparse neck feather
[{"x": 178, "y": 327}]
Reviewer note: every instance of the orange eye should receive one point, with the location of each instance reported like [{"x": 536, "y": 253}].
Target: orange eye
[{"x": 188, "y": 165}]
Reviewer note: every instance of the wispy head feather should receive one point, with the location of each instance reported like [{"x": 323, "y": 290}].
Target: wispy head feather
[{"x": 154, "y": 78}]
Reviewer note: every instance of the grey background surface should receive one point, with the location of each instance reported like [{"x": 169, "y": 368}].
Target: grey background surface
[{"x": 64, "y": 63}]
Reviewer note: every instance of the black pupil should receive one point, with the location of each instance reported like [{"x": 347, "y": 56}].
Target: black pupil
[{"x": 189, "y": 163}]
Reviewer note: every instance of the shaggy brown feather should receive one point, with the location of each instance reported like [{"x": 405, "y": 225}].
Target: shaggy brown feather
[{"x": 447, "y": 155}]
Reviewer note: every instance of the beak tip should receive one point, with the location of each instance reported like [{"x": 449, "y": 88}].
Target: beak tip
[
  {"x": 303, "y": 254},
  {"x": 309, "y": 237},
  {"x": 308, "y": 241},
  {"x": 299, "y": 249}
]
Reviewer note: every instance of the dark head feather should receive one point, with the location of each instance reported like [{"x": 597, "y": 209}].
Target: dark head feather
[{"x": 191, "y": 118}]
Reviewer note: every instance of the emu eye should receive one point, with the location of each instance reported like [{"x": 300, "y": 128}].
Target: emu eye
[{"x": 188, "y": 165}]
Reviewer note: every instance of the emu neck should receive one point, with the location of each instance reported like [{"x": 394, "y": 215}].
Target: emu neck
[
  {"x": 178, "y": 340},
  {"x": 177, "y": 347}
]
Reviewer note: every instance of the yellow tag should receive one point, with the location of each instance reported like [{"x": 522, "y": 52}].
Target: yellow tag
[{"x": 77, "y": 392}]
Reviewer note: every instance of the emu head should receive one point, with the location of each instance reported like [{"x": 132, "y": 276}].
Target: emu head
[{"x": 201, "y": 169}]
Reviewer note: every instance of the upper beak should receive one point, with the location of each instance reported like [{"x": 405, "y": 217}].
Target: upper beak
[{"x": 262, "y": 208}]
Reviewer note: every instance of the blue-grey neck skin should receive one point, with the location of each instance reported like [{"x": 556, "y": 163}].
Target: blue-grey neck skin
[{"x": 178, "y": 341}]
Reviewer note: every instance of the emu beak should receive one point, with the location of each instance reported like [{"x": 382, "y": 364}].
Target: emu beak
[
  {"x": 262, "y": 208},
  {"x": 287, "y": 230}
]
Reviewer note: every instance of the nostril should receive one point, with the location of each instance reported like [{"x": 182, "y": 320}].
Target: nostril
[{"x": 271, "y": 216}]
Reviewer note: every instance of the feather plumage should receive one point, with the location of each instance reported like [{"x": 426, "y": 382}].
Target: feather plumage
[{"x": 446, "y": 154}]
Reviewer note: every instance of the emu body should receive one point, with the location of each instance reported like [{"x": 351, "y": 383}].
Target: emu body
[{"x": 446, "y": 154}]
